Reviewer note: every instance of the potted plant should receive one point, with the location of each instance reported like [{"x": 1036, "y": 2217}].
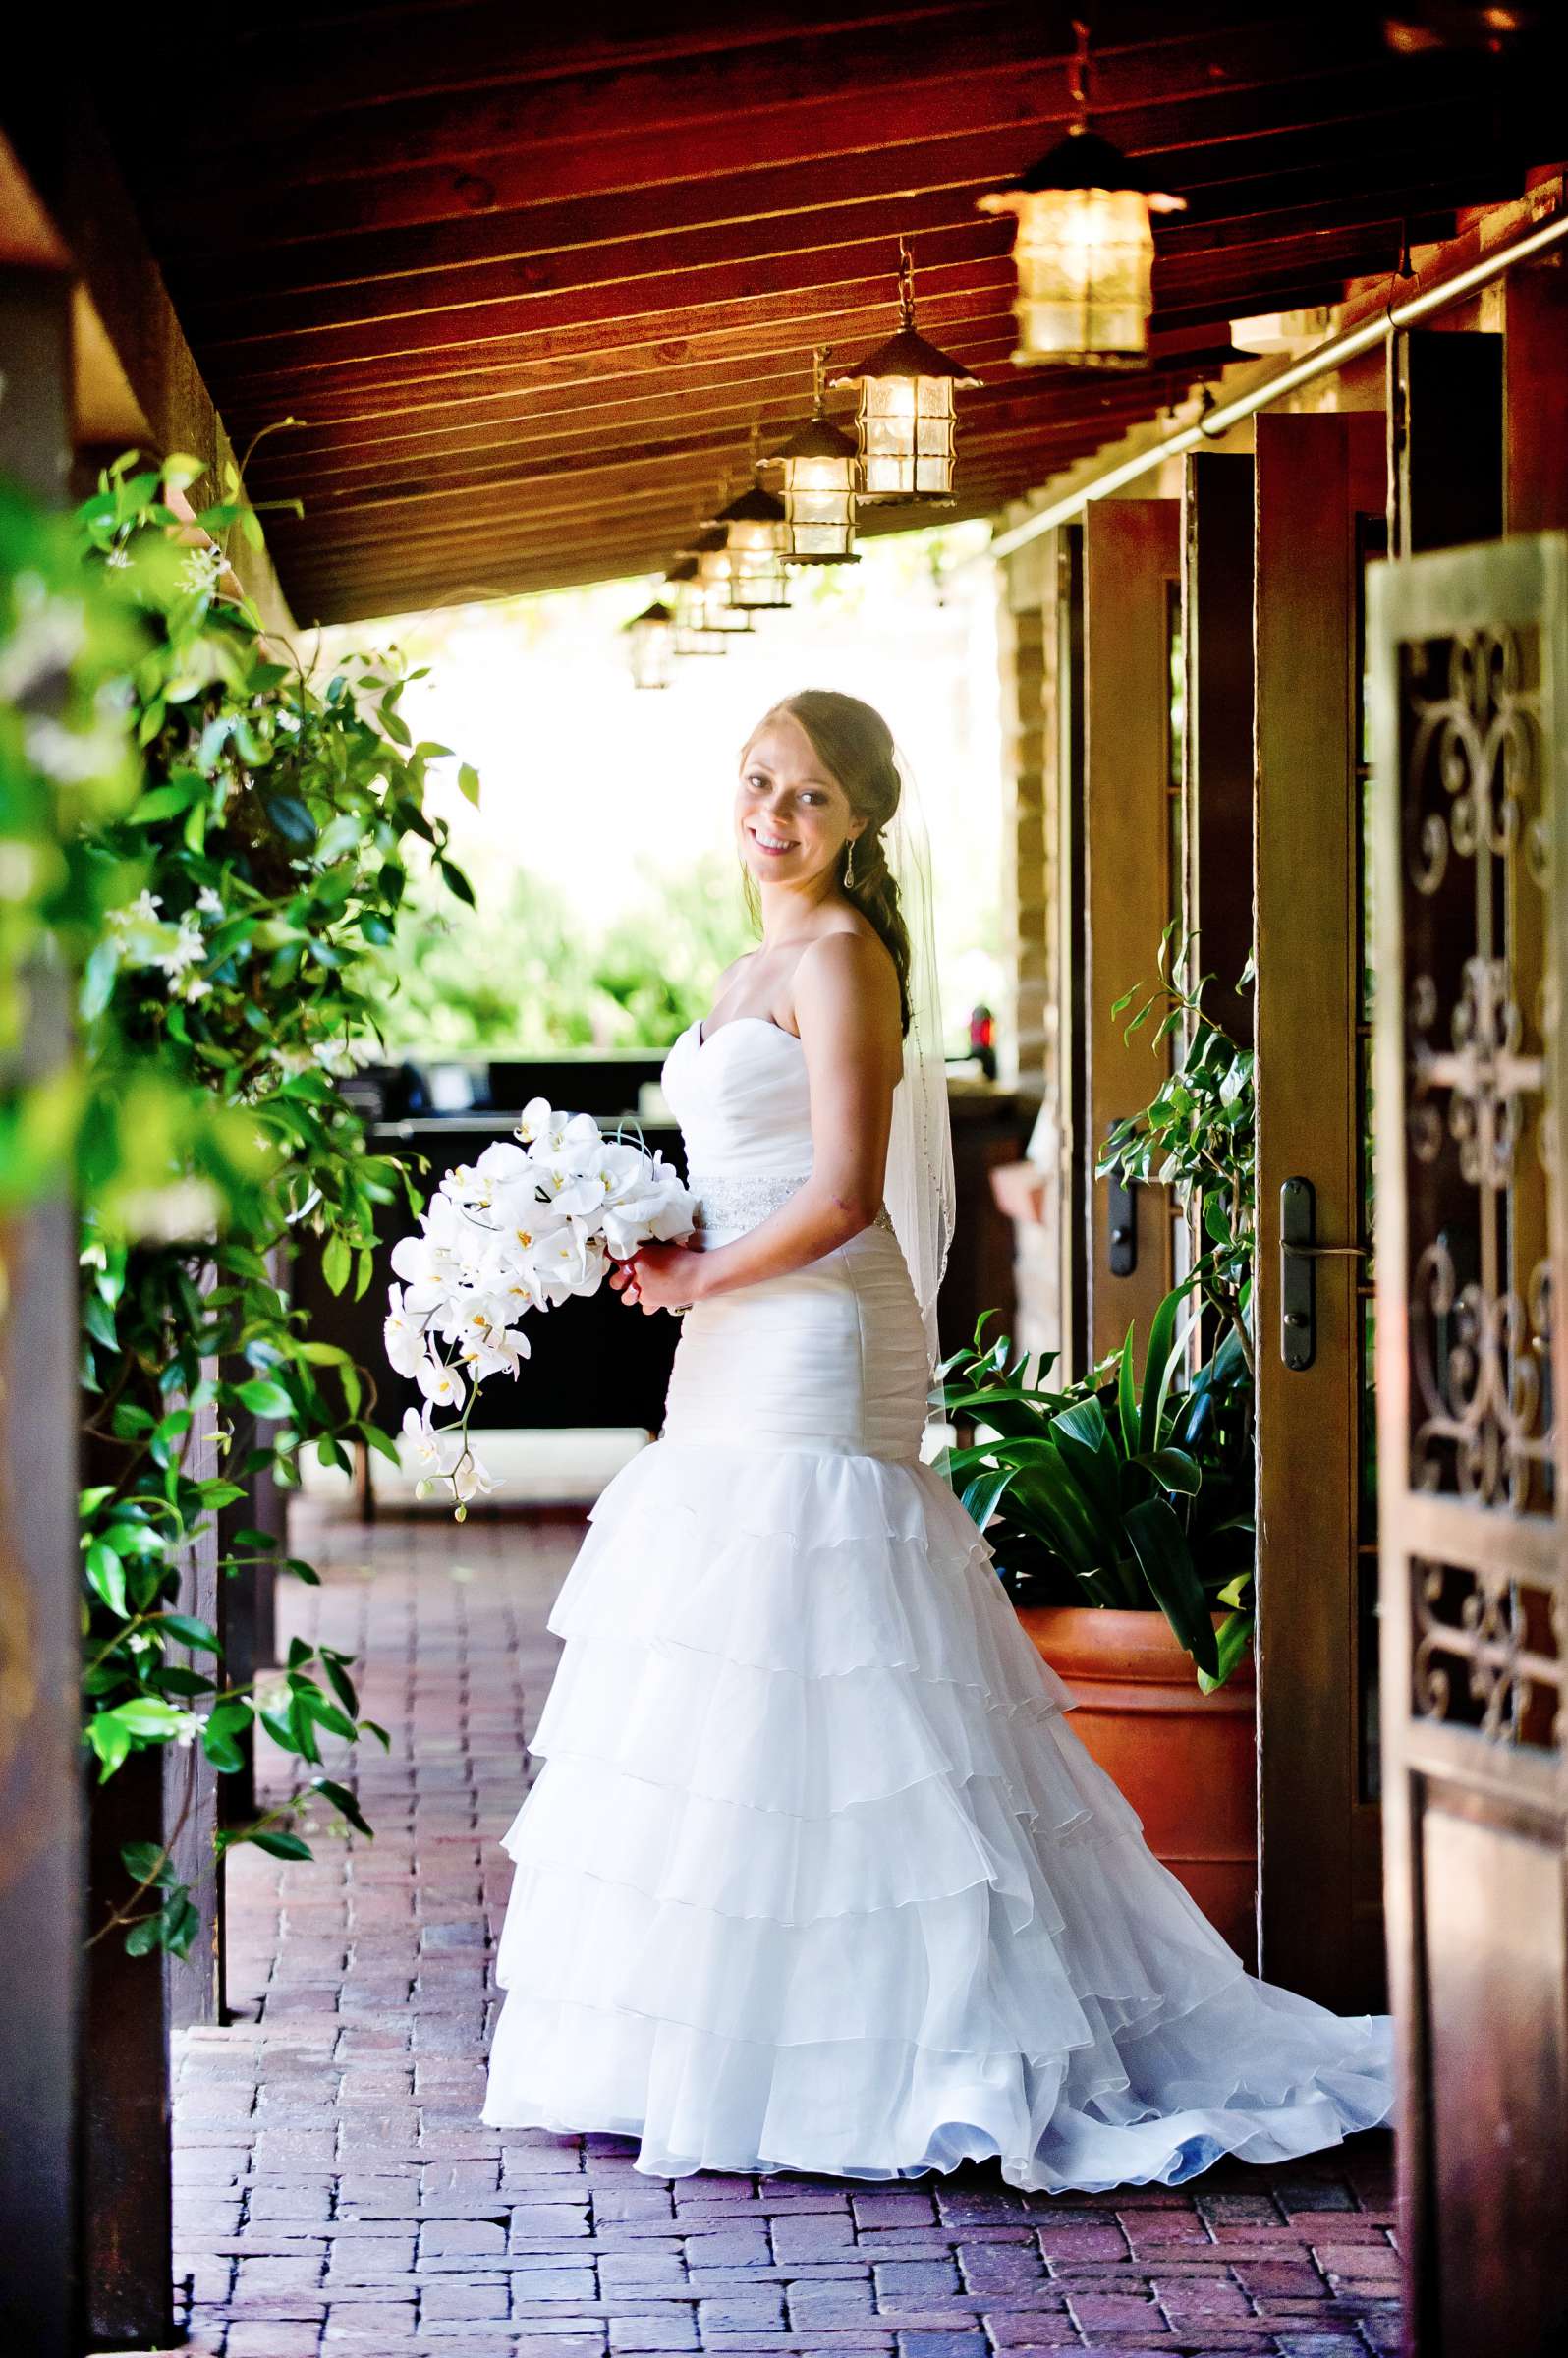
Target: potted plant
[{"x": 1121, "y": 1508}]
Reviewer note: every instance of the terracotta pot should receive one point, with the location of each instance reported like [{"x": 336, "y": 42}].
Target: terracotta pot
[{"x": 1186, "y": 1761}]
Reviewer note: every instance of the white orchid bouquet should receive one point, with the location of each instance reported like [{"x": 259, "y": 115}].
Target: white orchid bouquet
[{"x": 520, "y": 1230}]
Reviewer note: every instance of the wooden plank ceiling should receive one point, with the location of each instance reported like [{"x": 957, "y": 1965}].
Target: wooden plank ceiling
[{"x": 527, "y": 292}]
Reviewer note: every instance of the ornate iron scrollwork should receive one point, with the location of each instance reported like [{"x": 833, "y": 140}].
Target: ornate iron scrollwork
[{"x": 1488, "y": 1643}]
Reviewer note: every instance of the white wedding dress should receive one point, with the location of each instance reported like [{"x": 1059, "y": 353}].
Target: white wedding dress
[{"x": 815, "y": 1876}]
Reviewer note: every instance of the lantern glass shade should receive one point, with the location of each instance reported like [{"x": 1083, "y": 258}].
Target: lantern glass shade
[
  {"x": 755, "y": 533},
  {"x": 1084, "y": 255},
  {"x": 820, "y": 467},
  {"x": 906, "y": 418},
  {"x": 704, "y": 596},
  {"x": 688, "y": 595},
  {"x": 651, "y": 643}
]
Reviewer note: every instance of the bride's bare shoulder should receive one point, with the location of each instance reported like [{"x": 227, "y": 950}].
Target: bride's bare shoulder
[{"x": 848, "y": 966}]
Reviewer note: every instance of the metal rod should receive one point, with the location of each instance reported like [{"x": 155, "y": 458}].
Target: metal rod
[{"x": 1319, "y": 362}]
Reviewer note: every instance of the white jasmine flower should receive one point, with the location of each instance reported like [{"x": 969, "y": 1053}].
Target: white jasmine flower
[
  {"x": 187, "y": 949},
  {"x": 208, "y": 904},
  {"x": 118, "y": 557},
  {"x": 201, "y": 572},
  {"x": 142, "y": 911}
]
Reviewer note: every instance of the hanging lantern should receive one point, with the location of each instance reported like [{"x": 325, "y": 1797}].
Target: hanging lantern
[
  {"x": 650, "y": 645},
  {"x": 820, "y": 462},
  {"x": 712, "y": 581},
  {"x": 1084, "y": 247},
  {"x": 755, "y": 533},
  {"x": 695, "y": 635},
  {"x": 906, "y": 417}
]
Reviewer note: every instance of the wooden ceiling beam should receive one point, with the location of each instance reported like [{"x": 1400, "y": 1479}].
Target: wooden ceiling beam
[
  {"x": 792, "y": 319},
  {"x": 458, "y": 381},
  {"x": 356, "y": 62},
  {"x": 716, "y": 292},
  {"x": 616, "y": 279},
  {"x": 1338, "y": 118},
  {"x": 839, "y": 82},
  {"x": 727, "y": 423},
  {"x": 624, "y": 270},
  {"x": 481, "y": 520},
  {"x": 466, "y": 168}
]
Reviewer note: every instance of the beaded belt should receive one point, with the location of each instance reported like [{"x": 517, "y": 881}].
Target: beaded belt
[{"x": 745, "y": 1203}]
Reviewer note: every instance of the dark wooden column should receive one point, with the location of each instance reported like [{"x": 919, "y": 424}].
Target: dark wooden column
[
  {"x": 1217, "y": 732},
  {"x": 1534, "y": 361},
  {"x": 41, "y": 1762},
  {"x": 1131, "y": 560},
  {"x": 1445, "y": 426},
  {"x": 1320, "y": 1926}
]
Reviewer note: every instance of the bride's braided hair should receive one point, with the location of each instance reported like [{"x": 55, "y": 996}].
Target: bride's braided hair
[{"x": 856, "y": 745}]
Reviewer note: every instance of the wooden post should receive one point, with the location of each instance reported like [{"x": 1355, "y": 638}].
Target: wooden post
[
  {"x": 1445, "y": 426},
  {"x": 1077, "y": 1154},
  {"x": 1535, "y": 360},
  {"x": 1319, "y": 1920},
  {"x": 1217, "y": 735},
  {"x": 1131, "y": 561},
  {"x": 40, "y": 1761}
]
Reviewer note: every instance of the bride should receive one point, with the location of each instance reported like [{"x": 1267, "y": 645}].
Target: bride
[{"x": 815, "y": 1876}]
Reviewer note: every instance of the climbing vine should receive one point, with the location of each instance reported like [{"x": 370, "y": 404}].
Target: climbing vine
[{"x": 215, "y": 846}]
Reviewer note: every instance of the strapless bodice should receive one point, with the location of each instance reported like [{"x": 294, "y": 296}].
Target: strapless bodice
[{"x": 742, "y": 1099}]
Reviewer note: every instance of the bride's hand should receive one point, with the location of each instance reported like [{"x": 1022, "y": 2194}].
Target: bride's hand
[{"x": 658, "y": 1277}]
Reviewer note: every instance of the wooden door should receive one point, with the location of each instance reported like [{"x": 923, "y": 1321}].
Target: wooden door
[
  {"x": 1132, "y": 550},
  {"x": 1469, "y": 655},
  {"x": 1320, "y": 485}
]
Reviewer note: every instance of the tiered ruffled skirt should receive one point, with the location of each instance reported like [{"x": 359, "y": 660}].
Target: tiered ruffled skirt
[{"x": 816, "y": 1876}]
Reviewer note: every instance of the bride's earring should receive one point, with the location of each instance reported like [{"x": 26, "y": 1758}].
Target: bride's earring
[{"x": 849, "y": 864}]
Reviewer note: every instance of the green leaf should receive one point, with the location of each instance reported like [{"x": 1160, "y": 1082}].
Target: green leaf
[
  {"x": 1165, "y": 1558},
  {"x": 1160, "y": 1370},
  {"x": 468, "y": 784},
  {"x": 341, "y": 1683},
  {"x": 146, "y": 1862},
  {"x": 110, "y": 1739},
  {"x": 278, "y": 1847},
  {"x": 291, "y": 817},
  {"x": 985, "y": 1495},
  {"x": 191, "y": 1631},
  {"x": 263, "y": 1396},
  {"x": 162, "y": 802},
  {"x": 342, "y": 1799},
  {"x": 1234, "y": 1637},
  {"x": 1173, "y": 1470},
  {"x": 106, "y": 1576},
  {"x": 145, "y": 1715},
  {"x": 335, "y": 1261},
  {"x": 1127, "y": 1396}
]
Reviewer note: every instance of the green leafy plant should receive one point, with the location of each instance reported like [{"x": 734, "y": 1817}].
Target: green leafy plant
[
  {"x": 218, "y": 849},
  {"x": 1123, "y": 1490},
  {"x": 1198, "y": 1135}
]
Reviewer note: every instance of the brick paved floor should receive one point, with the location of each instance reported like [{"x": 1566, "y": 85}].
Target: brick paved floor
[{"x": 337, "y": 2193}]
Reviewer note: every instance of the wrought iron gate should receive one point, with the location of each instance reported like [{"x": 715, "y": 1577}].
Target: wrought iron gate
[{"x": 1468, "y": 659}]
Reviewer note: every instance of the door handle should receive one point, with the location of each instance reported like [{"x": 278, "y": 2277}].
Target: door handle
[
  {"x": 1121, "y": 1245},
  {"x": 1299, "y": 1255}
]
